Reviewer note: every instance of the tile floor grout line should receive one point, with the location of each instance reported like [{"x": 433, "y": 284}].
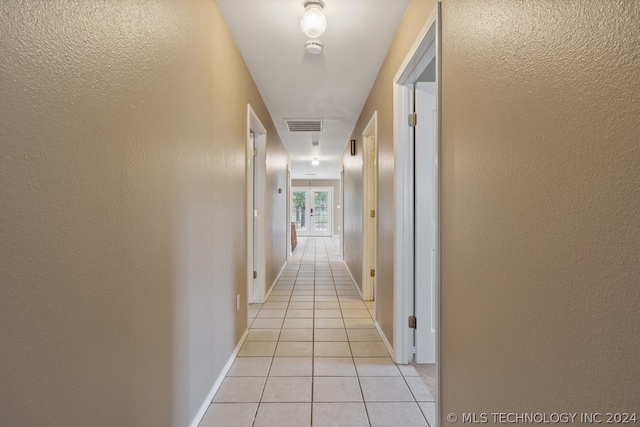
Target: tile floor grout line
[{"x": 316, "y": 263}]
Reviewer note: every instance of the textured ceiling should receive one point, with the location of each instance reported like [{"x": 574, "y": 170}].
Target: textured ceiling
[{"x": 332, "y": 86}]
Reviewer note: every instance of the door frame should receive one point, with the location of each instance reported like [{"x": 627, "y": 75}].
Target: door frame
[
  {"x": 256, "y": 220},
  {"x": 425, "y": 48},
  {"x": 369, "y": 203},
  {"x": 308, "y": 190},
  {"x": 425, "y": 219},
  {"x": 341, "y": 207},
  {"x": 289, "y": 251}
]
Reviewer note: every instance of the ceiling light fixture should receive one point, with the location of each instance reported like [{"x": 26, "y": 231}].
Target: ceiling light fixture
[
  {"x": 314, "y": 46},
  {"x": 315, "y": 162},
  {"x": 313, "y": 22}
]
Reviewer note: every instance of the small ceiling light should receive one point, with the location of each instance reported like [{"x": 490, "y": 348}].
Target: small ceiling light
[
  {"x": 313, "y": 22},
  {"x": 315, "y": 143},
  {"x": 315, "y": 162},
  {"x": 314, "y": 46}
]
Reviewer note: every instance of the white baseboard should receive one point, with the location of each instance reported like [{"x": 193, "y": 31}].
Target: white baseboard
[
  {"x": 266, "y": 297},
  {"x": 207, "y": 401},
  {"x": 384, "y": 339},
  {"x": 377, "y": 325},
  {"x": 353, "y": 280}
]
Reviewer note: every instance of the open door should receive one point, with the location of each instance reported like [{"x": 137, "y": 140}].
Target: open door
[
  {"x": 256, "y": 224},
  {"x": 369, "y": 210},
  {"x": 417, "y": 247},
  {"x": 426, "y": 215},
  {"x": 417, "y": 202}
]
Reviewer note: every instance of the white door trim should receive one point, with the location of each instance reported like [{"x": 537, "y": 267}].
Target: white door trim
[
  {"x": 403, "y": 228},
  {"x": 369, "y": 202},
  {"x": 426, "y": 219},
  {"x": 289, "y": 251},
  {"x": 425, "y": 48},
  {"x": 419, "y": 56},
  {"x": 256, "y": 219},
  {"x": 341, "y": 213}
]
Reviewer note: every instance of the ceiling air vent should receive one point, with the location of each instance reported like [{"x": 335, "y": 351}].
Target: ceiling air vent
[{"x": 304, "y": 125}]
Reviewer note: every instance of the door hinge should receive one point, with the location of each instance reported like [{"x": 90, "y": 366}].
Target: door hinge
[
  {"x": 413, "y": 119},
  {"x": 255, "y": 274},
  {"x": 412, "y": 322},
  {"x": 372, "y": 273},
  {"x": 373, "y": 213},
  {"x": 255, "y": 152}
]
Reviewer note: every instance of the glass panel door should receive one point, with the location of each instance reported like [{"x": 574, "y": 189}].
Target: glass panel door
[
  {"x": 311, "y": 211},
  {"x": 321, "y": 224},
  {"x": 299, "y": 210}
]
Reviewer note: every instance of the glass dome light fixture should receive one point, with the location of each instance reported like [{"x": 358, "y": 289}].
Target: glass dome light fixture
[
  {"x": 315, "y": 162},
  {"x": 313, "y": 22}
]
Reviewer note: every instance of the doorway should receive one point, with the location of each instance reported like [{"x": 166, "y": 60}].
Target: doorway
[
  {"x": 256, "y": 225},
  {"x": 426, "y": 214},
  {"x": 311, "y": 211},
  {"x": 417, "y": 116},
  {"x": 369, "y": 204}
]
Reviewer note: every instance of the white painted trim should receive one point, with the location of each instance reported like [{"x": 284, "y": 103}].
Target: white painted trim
[
  {"x": 353, "y": 279},
  {"x": 369, "y": 192},
  {"x": 426, "y": 204},
  {"x": 403, "y": 229},
  {"x": 256, "y": 288},
  {"x": 425, "y": 47},
  {"x": 384, "y": 338},
  {"x": 342, "y": 212},
  {"x": 249, "y": 205},
  {"x": 266, "y": 297},
  {"x": 288, "y": 216},
  {"x": 438, "y": 290},
  {"x": 418, "y": 57},
  {"x": 207, "y": 401}
]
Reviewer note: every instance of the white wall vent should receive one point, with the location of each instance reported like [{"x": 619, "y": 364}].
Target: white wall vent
[{"x": 304, "y": 125}]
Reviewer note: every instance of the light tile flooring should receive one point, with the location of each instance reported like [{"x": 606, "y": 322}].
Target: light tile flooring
[{"x": 314, "y": 358}]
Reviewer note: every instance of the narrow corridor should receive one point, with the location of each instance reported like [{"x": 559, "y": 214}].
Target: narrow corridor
[{"x": 314, "y": 357}]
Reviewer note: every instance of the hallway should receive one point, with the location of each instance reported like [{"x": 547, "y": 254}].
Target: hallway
[{"x": 314, "y": 357}]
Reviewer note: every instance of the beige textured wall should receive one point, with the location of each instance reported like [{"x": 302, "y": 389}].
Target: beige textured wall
[
  {"x": 352, "y": 229},
  {"x": 540, "y": 202},
  {"x": 122, "y": 216},
  {"x": 276, "y": 205},
  {"x": 333, "y": 183},
  {"x": 541, "y": 206},
  {"x": 380, "y": 100}
]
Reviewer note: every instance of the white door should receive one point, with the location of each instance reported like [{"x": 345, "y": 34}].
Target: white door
[
  {"x": 311, "y": 211},
  {"x": 256, "y": 218},
  {"x": 369, "y": 203},
  {"x": 417, "y": 205},
  {"x": 426, "y": 216}
]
